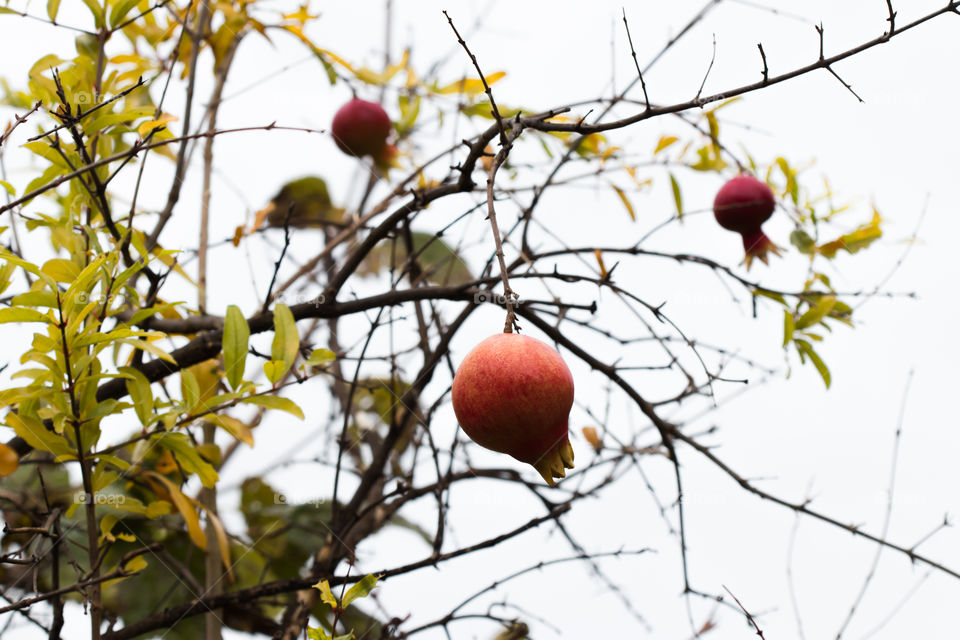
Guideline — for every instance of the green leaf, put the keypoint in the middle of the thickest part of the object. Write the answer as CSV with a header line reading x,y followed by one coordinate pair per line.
x,y
189,388
6,276
9,187
276,402
803,242
151,348
23,314
97,11
28,267
139,389
805,348
677,198
773,295
274,370
409,110
286,340
236,337
817,312
792,189
360,590
38,437
188,457
788,326
35,298
120,11
326,596
53,6
320,357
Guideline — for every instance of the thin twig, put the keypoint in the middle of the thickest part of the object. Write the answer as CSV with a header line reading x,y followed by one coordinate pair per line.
x,y
633,52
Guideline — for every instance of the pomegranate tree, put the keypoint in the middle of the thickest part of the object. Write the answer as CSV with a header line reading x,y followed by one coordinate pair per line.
x,y
361,128
742,205
513,394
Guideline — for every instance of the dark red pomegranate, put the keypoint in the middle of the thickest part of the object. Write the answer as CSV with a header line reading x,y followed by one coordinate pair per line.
x,y
513,394
742,205
360,128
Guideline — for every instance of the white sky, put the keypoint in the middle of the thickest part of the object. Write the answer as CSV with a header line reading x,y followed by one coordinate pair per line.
x,y
897,151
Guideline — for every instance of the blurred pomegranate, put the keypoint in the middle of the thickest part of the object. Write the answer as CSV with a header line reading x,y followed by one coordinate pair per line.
x,y
360,128
742,205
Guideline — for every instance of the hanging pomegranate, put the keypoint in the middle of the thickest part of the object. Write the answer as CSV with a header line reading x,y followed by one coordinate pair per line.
x,y
742,205
513,394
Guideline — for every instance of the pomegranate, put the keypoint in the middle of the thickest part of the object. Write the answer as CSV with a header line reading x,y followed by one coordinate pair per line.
x,y
360,128
513,394
742,205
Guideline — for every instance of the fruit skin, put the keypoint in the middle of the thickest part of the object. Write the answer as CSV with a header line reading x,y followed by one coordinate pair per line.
x,y
742,205
513,394
360,128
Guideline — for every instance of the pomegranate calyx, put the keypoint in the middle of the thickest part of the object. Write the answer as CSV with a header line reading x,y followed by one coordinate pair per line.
x,y
756,244
554,463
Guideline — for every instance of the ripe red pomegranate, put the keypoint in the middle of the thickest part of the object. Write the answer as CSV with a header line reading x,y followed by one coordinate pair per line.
x,y
513,394
742,205
360,128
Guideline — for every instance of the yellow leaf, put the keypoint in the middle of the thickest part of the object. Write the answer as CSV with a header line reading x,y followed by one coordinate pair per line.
x,y
599,256
135,564
106,526
145,128
274,370
370,76
207,378
152,349
677,197
816,312
185,507
9,461
222,543
590,145
470,86
234,427
590,433
632,172
170,262
302,14
625,201
609,151
61,270
326,596
861,238
165,463
157,509
324,52
664,142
